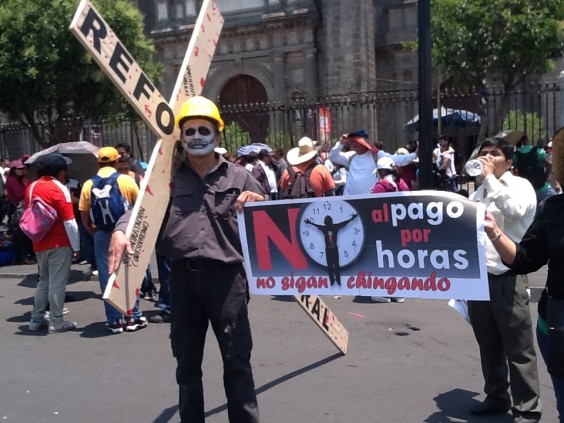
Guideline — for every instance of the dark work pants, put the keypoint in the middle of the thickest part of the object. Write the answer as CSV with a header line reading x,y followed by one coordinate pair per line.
x,y
203,291
504,332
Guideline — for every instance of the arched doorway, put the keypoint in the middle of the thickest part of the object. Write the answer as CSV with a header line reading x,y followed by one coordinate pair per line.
x,y
241,100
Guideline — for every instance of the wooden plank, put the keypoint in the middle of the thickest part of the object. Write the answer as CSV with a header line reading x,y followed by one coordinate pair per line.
x,y
324,318
149,210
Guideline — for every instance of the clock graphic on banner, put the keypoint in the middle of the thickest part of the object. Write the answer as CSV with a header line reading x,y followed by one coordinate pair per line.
x,y
331,233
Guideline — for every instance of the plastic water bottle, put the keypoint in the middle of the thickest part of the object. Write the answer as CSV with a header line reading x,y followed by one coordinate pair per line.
x,y
474,167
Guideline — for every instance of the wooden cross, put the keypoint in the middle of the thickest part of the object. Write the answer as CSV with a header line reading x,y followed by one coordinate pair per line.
x,y
97,37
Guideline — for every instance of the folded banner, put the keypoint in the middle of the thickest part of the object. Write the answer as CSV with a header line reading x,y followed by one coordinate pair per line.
x,y
425,244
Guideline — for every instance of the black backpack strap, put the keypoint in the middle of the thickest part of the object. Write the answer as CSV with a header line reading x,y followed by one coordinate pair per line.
x,y
291,181
310,168
291,172
308,188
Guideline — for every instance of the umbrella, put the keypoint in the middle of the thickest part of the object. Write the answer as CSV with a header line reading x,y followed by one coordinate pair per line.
x,y
511,136
253,148
449,118
82,153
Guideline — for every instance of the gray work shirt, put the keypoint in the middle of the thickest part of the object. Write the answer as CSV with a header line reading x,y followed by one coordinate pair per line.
x,y
202,220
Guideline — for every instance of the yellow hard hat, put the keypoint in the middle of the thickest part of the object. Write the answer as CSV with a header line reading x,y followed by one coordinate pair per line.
x,y
199,107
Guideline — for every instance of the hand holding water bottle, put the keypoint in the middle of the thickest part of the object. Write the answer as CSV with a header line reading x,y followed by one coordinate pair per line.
x,y
474,167
480,167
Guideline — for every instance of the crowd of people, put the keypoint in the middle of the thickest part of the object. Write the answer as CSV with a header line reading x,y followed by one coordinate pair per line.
x,y
199,257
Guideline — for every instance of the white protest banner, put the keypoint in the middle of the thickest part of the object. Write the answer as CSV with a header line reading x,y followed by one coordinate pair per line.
x,y
425,244
98,38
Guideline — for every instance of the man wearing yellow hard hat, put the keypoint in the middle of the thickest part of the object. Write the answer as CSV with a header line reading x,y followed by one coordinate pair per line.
x,y
207,280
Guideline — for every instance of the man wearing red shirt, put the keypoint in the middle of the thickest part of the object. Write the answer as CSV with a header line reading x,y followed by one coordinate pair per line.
x,y
302,157
58,247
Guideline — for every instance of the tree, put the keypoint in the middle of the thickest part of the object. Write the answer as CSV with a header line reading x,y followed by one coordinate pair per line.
x,y
529,123
234,136
48,80
503,41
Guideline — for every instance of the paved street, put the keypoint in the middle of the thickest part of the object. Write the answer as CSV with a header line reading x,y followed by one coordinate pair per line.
x,y
412,362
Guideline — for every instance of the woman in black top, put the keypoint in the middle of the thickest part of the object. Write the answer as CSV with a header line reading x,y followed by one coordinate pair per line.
x,y
542,244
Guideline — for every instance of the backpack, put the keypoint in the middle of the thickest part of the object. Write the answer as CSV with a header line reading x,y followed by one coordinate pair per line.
x,y
38,218
107,204
299,185
529,167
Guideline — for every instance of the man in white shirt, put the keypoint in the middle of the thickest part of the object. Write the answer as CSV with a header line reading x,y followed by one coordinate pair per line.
x,y
447,164
5,168
360,161
502,325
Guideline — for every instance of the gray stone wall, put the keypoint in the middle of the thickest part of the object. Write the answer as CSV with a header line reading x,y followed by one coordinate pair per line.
x,y
347,44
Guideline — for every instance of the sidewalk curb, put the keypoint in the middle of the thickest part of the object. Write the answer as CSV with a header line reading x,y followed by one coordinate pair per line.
x,y
79,273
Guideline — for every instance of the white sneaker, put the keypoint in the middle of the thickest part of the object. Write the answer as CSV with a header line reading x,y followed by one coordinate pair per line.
x,y
65,327
94,273
65,311
398,300
381,299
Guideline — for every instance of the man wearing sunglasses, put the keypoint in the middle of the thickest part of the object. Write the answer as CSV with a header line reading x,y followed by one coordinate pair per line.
x,y
207,280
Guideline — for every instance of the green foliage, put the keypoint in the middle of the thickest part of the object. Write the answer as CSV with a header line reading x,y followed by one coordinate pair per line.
x,y
529,123
279,139
503,39
234,137
45,73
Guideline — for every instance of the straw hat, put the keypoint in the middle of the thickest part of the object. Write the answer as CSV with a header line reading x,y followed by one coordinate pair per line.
x,y
305,151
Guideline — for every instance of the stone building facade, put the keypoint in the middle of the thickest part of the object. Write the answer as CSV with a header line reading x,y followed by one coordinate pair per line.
x,y
274,50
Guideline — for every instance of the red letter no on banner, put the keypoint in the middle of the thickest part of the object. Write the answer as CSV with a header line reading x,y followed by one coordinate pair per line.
x,y
265,229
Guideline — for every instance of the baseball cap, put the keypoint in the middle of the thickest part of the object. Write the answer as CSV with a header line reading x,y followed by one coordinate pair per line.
x,y
361,137
17,164
107,155
385,163
265,152
360,133
402,151
52,164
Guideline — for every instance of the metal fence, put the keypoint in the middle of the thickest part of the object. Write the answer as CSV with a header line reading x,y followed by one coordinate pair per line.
x,y
383,114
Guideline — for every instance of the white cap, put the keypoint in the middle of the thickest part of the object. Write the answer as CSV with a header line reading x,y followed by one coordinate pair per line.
x,y
385,163
402,151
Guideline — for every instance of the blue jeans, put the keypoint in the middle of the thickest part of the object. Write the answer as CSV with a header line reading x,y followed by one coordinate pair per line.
x,y
452,186
557,381
148,285
86,244
101,246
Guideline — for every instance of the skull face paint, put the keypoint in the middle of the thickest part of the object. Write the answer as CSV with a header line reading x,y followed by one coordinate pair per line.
x,y
199,137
